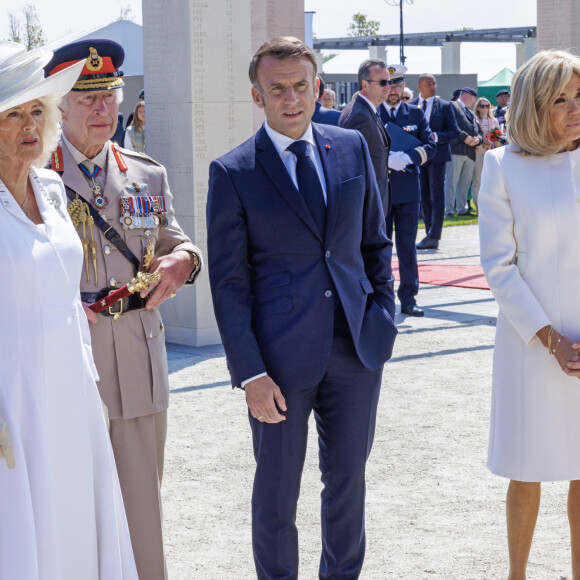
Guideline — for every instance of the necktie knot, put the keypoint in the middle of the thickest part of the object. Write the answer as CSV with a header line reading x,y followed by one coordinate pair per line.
x,y
299,148
89,168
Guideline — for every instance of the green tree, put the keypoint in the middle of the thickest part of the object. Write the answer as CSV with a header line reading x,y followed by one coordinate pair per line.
x,y
360,26
126,14
27,31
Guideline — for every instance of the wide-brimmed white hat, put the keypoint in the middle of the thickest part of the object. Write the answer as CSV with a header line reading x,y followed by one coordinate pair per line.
x,y
22,75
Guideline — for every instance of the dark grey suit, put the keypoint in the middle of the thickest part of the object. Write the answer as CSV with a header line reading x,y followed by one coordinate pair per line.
x,y
460,170
359,115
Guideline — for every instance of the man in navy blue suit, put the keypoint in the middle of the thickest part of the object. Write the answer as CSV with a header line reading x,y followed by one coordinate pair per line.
x,y
362,114
441,118
322,114
405,191
302,289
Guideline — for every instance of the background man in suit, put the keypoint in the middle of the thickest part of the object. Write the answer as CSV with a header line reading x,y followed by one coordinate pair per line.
x,y
404,180
322,114
128,341
441,118
362,114
302,289
460,170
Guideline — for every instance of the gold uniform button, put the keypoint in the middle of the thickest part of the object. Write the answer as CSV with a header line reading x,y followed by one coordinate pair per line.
x,y
147,232
116,316
107,250
112,282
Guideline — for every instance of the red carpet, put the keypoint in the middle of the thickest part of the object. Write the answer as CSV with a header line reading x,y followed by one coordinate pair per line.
x,y
449,275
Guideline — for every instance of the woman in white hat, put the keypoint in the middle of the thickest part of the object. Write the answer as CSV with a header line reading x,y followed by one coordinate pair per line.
x,y
61,511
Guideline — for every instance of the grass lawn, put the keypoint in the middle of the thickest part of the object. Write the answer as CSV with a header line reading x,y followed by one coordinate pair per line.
x,y
458,220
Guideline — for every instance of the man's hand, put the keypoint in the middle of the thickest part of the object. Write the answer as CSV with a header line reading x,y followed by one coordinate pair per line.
x,y
472,141
264,398
6,451
91,316
176,269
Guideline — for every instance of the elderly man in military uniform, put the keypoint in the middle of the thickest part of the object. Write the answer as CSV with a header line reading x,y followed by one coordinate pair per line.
x,y
121,205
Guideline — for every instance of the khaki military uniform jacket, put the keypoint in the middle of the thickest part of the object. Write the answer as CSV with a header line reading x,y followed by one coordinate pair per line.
x,y
129,352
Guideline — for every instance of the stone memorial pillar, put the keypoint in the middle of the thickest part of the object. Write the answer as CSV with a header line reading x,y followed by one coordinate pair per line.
x,y
451,58
559,24
196,55
271,18
525,51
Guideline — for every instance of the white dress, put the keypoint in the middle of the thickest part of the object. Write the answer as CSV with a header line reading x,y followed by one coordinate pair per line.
x,y
61,511
530,251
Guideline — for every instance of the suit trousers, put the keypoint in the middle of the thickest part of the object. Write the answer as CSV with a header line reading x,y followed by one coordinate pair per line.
x,y
345,407
405,218
432,179
139,448
458,181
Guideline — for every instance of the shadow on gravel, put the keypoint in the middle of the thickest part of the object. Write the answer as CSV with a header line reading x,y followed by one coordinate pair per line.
x,y
441,353
200,387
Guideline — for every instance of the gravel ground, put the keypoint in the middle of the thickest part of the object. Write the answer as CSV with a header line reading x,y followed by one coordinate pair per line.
x,y
433,509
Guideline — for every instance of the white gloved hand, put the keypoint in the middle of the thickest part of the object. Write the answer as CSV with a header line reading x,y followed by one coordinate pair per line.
x,y
398,160
6,444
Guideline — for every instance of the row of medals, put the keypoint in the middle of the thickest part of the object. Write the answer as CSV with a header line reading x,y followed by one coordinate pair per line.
x,y
129,221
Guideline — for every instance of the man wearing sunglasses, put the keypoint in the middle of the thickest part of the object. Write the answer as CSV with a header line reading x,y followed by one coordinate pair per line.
x,y
361,114
405,162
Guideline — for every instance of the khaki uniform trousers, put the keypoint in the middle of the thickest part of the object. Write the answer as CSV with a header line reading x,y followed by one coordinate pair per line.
x,y
139,447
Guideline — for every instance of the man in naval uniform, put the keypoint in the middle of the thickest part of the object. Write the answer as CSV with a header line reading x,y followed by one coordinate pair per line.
x,y
131,216
405,160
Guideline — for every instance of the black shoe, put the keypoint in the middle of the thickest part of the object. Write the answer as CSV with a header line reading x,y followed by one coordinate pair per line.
x,y
412,310
449,214
428,244
468,212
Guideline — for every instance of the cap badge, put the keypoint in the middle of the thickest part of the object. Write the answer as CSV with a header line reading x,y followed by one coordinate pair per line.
x,y
392,70
94,62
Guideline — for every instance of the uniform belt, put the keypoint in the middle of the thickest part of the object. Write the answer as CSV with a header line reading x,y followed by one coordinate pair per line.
x,y
132,302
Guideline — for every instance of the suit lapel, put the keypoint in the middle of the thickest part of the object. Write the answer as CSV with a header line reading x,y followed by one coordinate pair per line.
x,y
269,160
377,120
330,161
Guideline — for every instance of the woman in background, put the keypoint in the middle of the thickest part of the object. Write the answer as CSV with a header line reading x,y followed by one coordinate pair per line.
x,y
135,133
487,123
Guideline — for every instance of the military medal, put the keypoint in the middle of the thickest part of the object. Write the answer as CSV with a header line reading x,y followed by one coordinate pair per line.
x,y
136,188
99,201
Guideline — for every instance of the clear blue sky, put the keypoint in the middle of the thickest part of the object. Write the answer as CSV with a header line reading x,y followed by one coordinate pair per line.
x,y
60,17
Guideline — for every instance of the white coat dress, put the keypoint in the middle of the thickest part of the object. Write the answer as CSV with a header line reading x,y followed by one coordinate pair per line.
x,y
61,510
529,228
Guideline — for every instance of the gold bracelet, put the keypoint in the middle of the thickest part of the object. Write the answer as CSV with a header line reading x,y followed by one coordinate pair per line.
x,y
550,332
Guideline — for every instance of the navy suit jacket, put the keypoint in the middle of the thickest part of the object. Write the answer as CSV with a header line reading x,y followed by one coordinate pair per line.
x,y
359,115
443,123
325,116
274,280
405,184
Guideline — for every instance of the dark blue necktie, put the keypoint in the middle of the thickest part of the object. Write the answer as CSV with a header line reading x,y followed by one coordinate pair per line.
x,y
309,184
392,114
